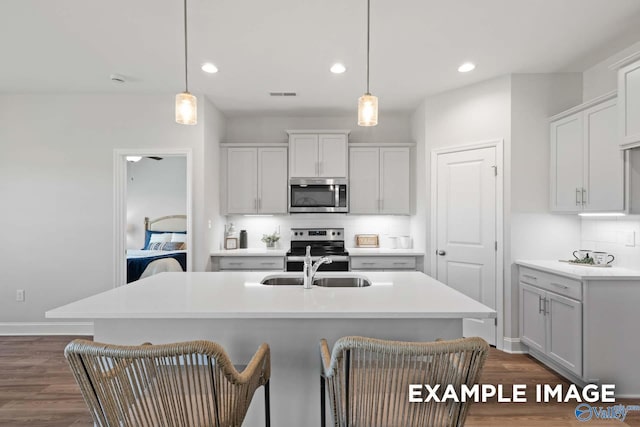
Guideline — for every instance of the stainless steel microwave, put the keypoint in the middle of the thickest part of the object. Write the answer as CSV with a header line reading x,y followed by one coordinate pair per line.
x,y
307,195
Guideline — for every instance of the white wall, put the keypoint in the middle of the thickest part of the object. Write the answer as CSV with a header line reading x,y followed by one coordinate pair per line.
x,y
599,79
392,127
56,187
214,131
533,232
155,188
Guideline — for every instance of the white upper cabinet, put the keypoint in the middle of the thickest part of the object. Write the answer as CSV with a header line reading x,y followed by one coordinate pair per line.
x,y
567,164
604,172
379,180
318,155
629,102
587,166
364,180
255,180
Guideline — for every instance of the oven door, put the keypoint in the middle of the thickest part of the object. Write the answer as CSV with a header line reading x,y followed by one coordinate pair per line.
x,y
318,196
339,263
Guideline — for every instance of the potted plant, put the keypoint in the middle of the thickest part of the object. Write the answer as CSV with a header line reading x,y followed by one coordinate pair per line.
x,y
271,239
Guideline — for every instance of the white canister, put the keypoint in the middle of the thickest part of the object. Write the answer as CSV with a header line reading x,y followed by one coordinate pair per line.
x,y
404,242
393,242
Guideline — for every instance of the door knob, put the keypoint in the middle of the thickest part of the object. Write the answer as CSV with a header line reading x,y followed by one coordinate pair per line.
x,y
441,253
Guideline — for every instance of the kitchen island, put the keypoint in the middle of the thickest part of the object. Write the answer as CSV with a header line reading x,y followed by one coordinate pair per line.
x,y
235,310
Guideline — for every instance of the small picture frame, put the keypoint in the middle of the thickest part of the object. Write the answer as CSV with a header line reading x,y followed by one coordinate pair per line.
x,y
367,241
231,243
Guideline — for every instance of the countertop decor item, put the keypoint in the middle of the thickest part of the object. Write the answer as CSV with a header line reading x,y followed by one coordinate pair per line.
x,y
231,243
271,239
367,241
243,239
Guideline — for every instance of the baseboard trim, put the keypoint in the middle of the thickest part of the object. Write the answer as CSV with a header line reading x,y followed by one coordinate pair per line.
x,y
514,346
46,328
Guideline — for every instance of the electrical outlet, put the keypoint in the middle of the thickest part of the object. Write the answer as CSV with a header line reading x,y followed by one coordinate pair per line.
x,y
20,295
630,239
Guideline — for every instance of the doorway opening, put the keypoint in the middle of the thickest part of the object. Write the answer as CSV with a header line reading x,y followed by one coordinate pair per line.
x,y
152,184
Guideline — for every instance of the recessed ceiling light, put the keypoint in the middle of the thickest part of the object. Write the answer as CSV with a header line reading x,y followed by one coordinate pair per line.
x,y
208,67
466,67
338,68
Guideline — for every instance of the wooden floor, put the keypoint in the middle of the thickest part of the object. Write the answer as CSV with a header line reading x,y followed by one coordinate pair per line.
x,y
37,389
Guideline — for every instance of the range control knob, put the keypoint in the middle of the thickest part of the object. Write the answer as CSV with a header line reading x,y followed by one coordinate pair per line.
x,y
338,233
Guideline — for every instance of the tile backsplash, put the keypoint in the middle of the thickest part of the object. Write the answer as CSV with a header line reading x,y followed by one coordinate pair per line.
x,y
614,235
383,225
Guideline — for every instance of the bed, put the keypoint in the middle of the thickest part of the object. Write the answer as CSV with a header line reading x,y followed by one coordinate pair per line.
x,y
164,248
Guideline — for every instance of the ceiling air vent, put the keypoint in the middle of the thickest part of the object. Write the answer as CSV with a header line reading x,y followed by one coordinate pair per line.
x,y
283,94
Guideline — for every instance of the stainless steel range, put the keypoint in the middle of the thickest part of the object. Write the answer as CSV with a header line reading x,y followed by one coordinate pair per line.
x,y
324,242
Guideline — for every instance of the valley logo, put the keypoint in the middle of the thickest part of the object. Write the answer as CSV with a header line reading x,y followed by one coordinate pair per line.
x,y
586,412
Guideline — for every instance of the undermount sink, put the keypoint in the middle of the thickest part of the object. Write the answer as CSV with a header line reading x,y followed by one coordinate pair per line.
x,y
342,282
282,280
327,282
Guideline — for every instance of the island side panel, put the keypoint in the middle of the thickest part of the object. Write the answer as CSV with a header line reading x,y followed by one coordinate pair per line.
x,y
295,360
611,316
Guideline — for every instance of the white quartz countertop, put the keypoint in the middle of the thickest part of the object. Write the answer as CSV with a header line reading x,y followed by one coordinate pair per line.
x,y
384,252
250,252
239,295
578,272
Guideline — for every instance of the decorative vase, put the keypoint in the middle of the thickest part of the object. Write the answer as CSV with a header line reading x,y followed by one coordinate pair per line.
x,y
271,245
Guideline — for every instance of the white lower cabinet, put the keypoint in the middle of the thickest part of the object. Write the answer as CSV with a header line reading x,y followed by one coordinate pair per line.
x,y
551,317
550,323
248,263
383,263
580,322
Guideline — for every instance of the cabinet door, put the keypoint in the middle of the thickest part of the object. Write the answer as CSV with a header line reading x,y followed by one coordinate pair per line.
x,y
364,180
272,180
394,180
303,156
332,156
604,161
567,161
629,107
242,180
564,332
532,319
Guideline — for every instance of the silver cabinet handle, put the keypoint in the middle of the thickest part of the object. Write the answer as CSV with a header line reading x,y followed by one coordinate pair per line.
x,y
235,263
546,306
578,202
441,253
530,277
255,203
267,263
540,310
584,196
559,285
399,263
368,263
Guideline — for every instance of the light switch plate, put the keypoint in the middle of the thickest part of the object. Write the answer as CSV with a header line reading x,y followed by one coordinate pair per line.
x,y
630,239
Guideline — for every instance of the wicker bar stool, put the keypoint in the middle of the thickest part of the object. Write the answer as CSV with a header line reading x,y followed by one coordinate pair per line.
x,y
183,384
368,380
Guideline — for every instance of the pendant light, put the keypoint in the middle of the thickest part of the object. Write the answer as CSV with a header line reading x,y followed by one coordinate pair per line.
x,y
367,103
186,104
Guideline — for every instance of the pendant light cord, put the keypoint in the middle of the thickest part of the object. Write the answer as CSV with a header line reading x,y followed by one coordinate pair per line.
x,y
368,37
186,70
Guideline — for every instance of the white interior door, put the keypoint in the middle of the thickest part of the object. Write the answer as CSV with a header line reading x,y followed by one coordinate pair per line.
x,y
466,230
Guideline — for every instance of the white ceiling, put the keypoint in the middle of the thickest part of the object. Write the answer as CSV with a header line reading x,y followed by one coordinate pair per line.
x,y
289,45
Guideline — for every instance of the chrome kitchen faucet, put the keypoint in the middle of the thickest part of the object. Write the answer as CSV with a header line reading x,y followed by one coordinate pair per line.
x,y
309,270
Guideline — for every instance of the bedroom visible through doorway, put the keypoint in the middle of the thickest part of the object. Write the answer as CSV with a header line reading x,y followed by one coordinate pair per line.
x,y
152,213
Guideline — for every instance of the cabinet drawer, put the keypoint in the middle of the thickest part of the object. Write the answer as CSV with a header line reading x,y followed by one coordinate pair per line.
x,y
251,263
385,262
552,282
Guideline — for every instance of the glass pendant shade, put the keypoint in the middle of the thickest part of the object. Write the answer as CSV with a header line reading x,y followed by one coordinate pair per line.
x,y
367,110
186,109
